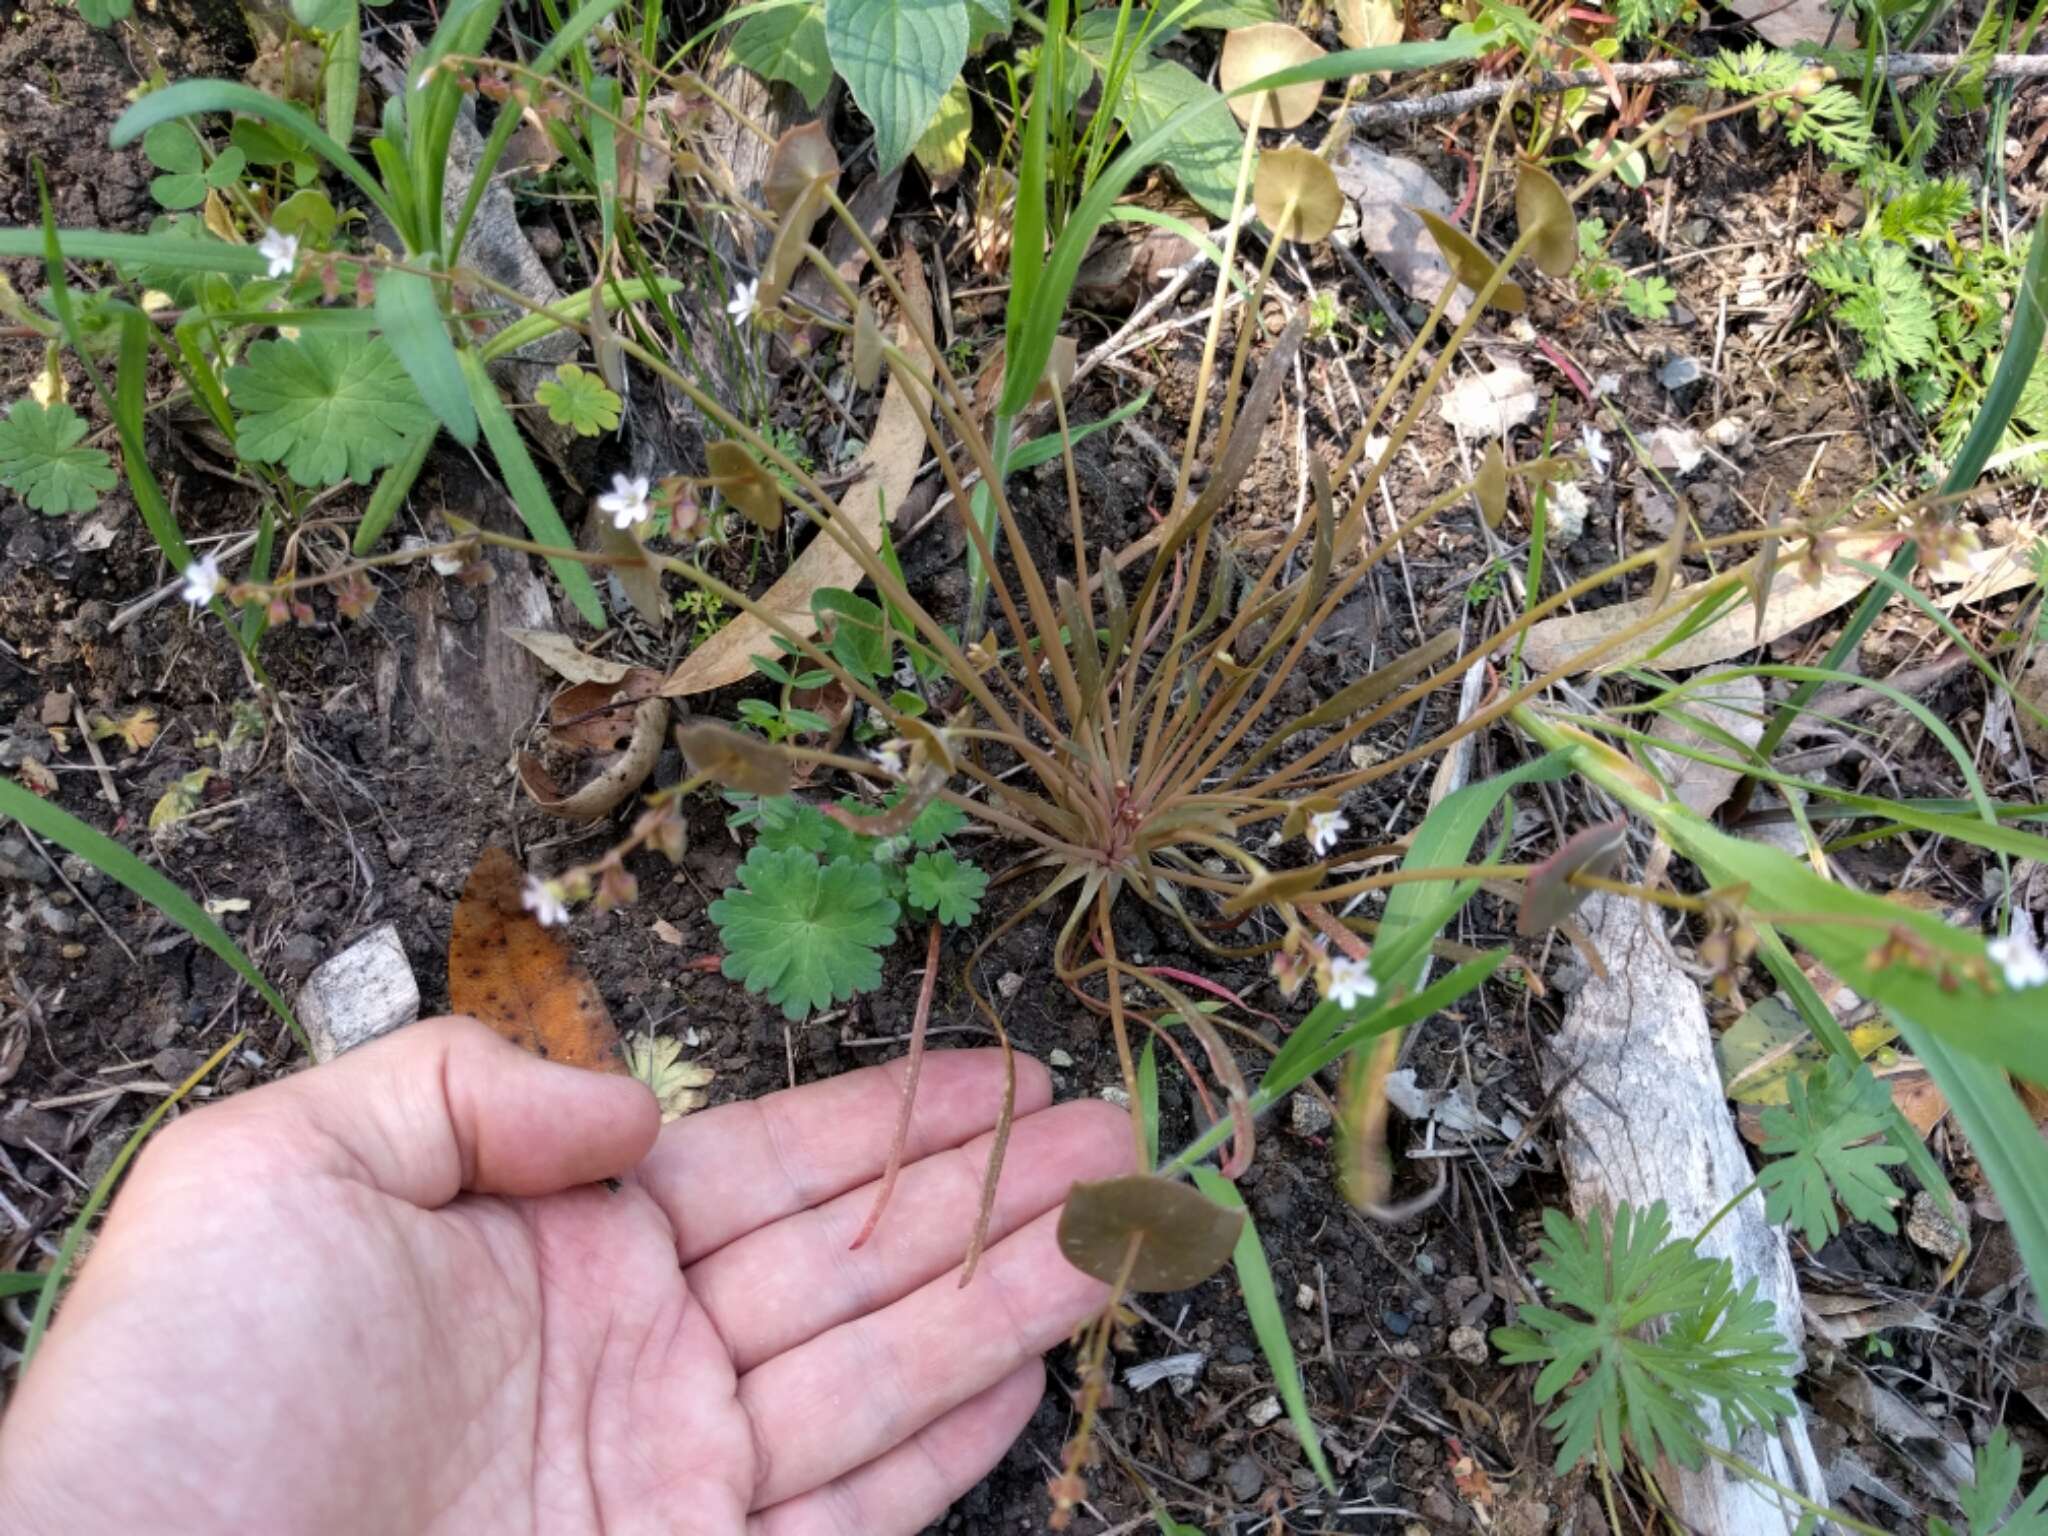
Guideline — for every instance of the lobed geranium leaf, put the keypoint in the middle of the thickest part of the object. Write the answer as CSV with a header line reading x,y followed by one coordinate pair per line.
x,y
940,884
1827,1143
805,933
329,406
41,460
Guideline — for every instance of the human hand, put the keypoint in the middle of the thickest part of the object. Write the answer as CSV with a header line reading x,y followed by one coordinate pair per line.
x,y
387,1296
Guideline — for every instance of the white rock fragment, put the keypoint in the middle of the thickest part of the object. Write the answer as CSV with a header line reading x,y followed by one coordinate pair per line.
x,y
1305,1298
1115,1095
1263,1412
1179,1370
1308,1115
1468,1344
1929,1228
1728,431
1567,511
1009,984
1490,404
362,993
1677,449
1058,1058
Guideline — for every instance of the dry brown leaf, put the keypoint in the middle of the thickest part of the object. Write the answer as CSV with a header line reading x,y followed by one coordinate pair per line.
x,y
1788,23
1792,603
618,779
136,730
887,469
507,970
561,655
599,717
1384,187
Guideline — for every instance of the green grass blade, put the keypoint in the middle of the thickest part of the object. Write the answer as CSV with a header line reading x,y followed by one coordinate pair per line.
x,y
528,329
169,252
191,98
410,317
102,1191
341,77
529,492
1041,449
392,487
153,886
1269,1323
19,1282
1148,1100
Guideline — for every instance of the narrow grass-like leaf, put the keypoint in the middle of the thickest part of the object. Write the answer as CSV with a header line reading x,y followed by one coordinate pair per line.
x,y
529,492
1148,1100
411,319
1269,1323
172,253
19,1282
103,1190
390,492
153,886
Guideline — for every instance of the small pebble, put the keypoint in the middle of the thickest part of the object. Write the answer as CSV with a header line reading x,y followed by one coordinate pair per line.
x,y
56,919
1929,1228
1115,1095
1305,1298
1308,1115
1245,1478
1010,984
1397,1323
1058,1058
1263,1412
300,955
1469,1345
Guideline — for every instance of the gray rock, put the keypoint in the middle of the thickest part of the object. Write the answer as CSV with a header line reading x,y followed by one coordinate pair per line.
x,y
1245,1478
18,861
364,992
56,919
300,955
1308,1115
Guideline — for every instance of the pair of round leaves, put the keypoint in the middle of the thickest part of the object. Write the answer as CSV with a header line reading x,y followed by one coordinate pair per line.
x,y
1182,1237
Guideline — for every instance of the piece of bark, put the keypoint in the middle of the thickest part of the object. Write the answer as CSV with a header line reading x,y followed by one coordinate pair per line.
x,y
359,995
1644,1120
474,687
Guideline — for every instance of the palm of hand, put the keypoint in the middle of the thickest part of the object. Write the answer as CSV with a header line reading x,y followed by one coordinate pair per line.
x,y
696,1350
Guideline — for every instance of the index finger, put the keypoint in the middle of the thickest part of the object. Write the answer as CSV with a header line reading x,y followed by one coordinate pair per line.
x,y
725,1172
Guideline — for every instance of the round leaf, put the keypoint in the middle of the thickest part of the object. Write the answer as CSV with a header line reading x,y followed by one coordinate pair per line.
x,y
802,157
1297,194
1541,206
1183,1237
1474,268
745,484
1490,485
1250,53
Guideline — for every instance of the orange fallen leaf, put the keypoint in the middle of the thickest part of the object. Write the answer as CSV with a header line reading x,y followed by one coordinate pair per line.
x,y
509,971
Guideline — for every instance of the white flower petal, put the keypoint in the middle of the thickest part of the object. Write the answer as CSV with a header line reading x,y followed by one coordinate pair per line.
x,y
202,582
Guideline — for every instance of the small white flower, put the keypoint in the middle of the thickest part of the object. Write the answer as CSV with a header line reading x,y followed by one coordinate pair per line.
x,y
889,758
1323,830
1598,459
202,582
745,302
1350,983
543,898
626,501
281,251
2016,955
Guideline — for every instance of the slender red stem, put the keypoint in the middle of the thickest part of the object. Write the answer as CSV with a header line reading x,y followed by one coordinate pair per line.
x,y
915,1064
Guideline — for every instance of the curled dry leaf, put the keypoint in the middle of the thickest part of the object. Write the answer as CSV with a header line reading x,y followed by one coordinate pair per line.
x,y
1548,896
619,777
1183,1237
507,970
1541,206
745,484
1297,194
733,758
1368,23
1474,268
590,718
1251,53
1490,404
562,656
886,469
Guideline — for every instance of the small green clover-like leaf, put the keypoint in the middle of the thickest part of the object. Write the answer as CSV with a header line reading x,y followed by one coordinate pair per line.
x,y
329,406
41,461
1821,1148
1985,1497
1648,298
578,400
805,933
1717,1345
942,885
939,820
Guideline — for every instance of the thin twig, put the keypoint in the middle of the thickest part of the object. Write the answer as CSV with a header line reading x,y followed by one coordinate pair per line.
x,y
1896,66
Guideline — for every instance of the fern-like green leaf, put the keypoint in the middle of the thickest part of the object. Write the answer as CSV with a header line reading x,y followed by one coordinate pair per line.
x,y
1619,1388
805,933
1827,1143
1985,1499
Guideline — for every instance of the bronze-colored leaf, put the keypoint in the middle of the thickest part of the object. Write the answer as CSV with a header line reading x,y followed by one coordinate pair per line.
x,y
1541,206
1275,887
1252,53
743,482
867,346
1490,486
1182,1236
507,970
802,158
598,717
733,758
1297,194
1474,268
1548,896
617,779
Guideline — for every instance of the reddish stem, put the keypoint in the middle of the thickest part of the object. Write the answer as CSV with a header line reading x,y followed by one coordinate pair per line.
x,y
915,1064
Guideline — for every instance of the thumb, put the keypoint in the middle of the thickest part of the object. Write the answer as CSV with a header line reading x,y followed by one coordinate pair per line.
x,y
442,1107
